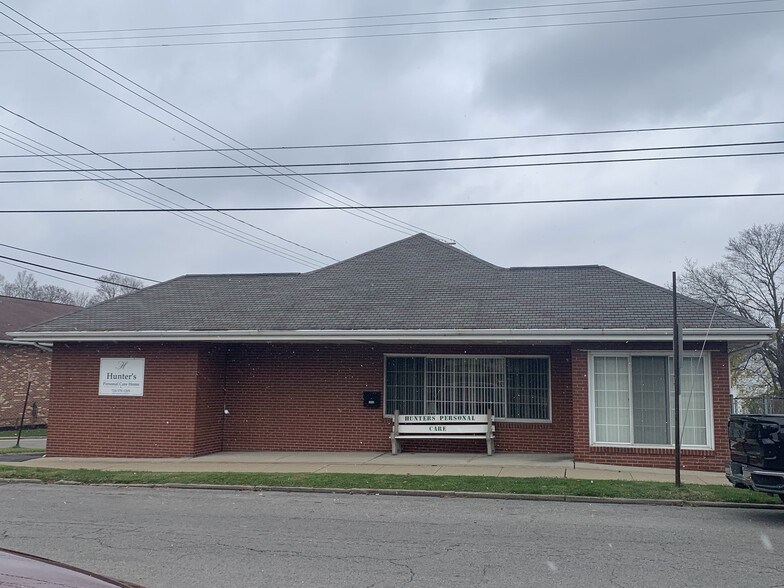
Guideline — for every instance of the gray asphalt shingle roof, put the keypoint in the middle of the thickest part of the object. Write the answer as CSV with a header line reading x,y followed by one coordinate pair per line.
x,y
416,283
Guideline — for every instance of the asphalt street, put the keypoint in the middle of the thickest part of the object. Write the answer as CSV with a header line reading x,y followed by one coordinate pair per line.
x,y
31,443
168,537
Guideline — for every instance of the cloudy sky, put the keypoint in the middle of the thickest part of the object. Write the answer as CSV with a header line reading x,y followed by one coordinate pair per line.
x,y
538,72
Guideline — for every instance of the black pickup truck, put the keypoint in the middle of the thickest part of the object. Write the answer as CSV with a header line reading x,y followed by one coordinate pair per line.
x,y
757,453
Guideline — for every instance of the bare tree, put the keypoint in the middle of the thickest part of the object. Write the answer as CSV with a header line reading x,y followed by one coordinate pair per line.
x,y
749,281
119,285
80,297
52,293
24,286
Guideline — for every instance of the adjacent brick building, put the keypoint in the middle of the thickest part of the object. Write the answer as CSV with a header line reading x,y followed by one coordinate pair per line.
x,y
569,360
22,361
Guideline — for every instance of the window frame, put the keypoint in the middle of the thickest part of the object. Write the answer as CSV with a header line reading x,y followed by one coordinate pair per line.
x,y
707,374
480,356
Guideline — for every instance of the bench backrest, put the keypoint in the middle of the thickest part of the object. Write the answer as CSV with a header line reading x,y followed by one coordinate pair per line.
x,y
433,424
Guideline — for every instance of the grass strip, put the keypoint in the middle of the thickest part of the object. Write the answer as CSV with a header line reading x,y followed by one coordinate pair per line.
x,y
20,450
539,486
39,432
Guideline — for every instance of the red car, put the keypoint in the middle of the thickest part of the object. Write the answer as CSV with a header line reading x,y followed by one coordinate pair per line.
x,y
21,570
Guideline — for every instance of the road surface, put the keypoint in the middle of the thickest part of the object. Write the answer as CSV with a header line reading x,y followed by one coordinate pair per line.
x,y
168,537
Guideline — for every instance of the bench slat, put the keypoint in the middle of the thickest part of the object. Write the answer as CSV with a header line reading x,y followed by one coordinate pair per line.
x,y
481,437
410,419
435,428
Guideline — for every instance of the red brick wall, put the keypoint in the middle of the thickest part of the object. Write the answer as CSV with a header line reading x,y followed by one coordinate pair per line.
x,y
309,397
162,423
650,457
16,363
209,400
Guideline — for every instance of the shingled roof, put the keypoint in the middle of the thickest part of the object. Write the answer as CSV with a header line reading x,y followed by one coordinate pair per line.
x,y
417,283
19,313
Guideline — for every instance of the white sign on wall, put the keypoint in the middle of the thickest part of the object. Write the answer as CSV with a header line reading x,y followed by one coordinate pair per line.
x,y
121,377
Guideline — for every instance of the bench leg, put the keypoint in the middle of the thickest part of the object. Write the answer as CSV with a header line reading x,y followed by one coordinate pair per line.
x,y
490,446
395,446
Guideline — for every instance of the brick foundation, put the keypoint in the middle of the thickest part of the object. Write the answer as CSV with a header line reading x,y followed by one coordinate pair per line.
x,y
17,362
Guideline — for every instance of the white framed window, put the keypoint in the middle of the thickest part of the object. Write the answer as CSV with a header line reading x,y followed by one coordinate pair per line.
x,y
511,387
632,400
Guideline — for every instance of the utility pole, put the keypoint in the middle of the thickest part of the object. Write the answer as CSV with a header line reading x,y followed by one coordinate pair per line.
x,y
24,410
677,350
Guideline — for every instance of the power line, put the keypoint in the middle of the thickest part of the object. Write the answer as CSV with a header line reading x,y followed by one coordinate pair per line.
x,y
39,272
417,33
419,23
412,161
408,206
340,18
405,170
54,269
134,108
388,221
78,263
419,142
142,194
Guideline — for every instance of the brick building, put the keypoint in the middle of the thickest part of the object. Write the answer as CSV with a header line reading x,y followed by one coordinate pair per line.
x,y
569,359
20,360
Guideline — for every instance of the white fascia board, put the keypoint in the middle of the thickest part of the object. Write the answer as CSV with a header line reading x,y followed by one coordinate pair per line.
x,y
749,335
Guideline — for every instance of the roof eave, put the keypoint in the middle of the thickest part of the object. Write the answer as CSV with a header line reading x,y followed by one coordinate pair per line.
x,y
745,335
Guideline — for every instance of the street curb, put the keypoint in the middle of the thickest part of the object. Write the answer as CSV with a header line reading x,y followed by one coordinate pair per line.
x,y
421,493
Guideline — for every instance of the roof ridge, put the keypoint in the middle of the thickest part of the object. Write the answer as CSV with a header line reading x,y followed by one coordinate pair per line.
x,y
707,305
246,274
578,265
398,242
41,301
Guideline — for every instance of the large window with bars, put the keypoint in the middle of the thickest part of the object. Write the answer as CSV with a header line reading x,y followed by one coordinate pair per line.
x,y
632,398
511,387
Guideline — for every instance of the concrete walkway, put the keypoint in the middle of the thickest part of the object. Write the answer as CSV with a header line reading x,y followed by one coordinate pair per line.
x,y
511,465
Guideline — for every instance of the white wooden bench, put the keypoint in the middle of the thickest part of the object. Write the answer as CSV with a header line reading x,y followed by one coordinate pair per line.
x,y
443,426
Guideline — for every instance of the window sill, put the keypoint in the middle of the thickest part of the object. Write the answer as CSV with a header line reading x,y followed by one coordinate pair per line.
x,y
663,448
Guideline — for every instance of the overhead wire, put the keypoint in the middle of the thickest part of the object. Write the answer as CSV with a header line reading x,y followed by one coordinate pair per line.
x,y
349,17
419,23
61,271
78,263
425,141
387,221
414,161
140,193
145,114
38,271
586,200
128,189
405,170
421,33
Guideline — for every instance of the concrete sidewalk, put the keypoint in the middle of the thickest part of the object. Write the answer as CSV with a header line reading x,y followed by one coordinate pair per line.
x,y
510,465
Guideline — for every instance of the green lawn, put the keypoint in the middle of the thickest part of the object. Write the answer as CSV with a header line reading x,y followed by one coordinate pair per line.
x,y
41,432
20,450
538,486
